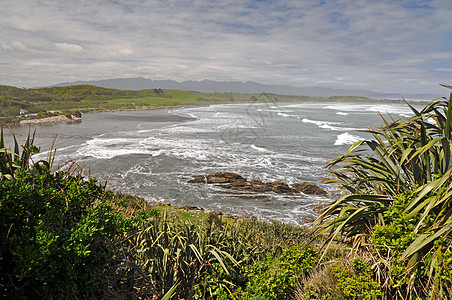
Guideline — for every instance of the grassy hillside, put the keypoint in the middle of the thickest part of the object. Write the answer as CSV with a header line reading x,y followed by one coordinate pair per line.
x,y
86,97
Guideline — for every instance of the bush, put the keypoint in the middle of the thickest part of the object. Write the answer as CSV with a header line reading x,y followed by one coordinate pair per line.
x,y
394,238
276,278
57,237
357,284
347,279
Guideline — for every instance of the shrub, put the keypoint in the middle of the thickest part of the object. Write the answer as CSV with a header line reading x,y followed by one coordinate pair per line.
x,y
357,284
276,278
57,237
408,158
433,260
347,279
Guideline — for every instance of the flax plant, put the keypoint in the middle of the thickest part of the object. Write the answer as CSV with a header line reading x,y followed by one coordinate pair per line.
x,y
402,155
12,162
407,155
176,254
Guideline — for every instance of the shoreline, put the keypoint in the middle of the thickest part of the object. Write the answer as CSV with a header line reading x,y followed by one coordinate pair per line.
x,y
60,120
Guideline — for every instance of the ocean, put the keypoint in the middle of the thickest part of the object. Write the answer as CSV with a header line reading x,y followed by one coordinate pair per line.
x,y
153,153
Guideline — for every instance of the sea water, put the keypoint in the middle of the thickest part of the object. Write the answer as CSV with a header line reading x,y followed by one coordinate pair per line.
x,y
153,153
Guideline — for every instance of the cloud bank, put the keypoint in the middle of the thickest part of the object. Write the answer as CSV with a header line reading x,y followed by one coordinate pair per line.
x,y
386,46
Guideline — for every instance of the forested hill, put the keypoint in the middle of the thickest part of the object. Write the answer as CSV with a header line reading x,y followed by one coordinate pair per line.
x,y
74,93
13,99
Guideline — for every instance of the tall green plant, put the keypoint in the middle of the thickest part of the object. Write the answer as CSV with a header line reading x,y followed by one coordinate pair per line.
x,y
410,155
402,155
12,161
180,254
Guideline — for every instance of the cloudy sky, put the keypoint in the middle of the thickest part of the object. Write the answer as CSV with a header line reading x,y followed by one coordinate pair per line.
x,y
382,45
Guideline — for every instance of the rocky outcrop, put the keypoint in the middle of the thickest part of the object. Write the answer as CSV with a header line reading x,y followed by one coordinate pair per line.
x,y
52,120
236,182
309,189
219,177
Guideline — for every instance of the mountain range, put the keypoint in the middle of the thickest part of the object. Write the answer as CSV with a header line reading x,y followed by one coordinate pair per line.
x,y
251,87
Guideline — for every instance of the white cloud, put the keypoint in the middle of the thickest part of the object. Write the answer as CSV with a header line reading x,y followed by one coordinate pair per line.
x,y
73,48
115,52
14,45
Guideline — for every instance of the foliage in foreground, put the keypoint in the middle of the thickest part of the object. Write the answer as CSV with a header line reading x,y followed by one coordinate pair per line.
x,y
57,237
343,279
275,278
399,200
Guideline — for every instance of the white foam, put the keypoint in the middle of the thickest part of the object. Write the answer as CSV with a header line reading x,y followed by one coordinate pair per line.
x,y
391,109
274,110
104,148
318,123
371,108
236,125
346,139
342,113
287,115
328,125
261,149
324,124
347,107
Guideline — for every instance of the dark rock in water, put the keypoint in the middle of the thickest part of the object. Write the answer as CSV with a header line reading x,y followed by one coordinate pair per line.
x,y
219,177
319,209
251,197
224,177
256,182
309,189
233,181
280,187
238,185
258,188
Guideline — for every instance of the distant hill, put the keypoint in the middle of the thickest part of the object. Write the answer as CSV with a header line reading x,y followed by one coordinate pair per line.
x,y
250,87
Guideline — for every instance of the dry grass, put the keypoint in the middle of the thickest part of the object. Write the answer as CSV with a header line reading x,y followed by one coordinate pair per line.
x,y
321,283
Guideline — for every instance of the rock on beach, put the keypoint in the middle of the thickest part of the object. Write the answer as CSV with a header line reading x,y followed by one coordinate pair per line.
x,y
52,120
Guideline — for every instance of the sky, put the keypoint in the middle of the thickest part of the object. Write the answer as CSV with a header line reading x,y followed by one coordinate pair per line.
x,y
400,46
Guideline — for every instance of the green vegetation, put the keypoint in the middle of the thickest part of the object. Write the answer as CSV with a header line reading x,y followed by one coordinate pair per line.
x,y
275,278
343,279
41,102
357,282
